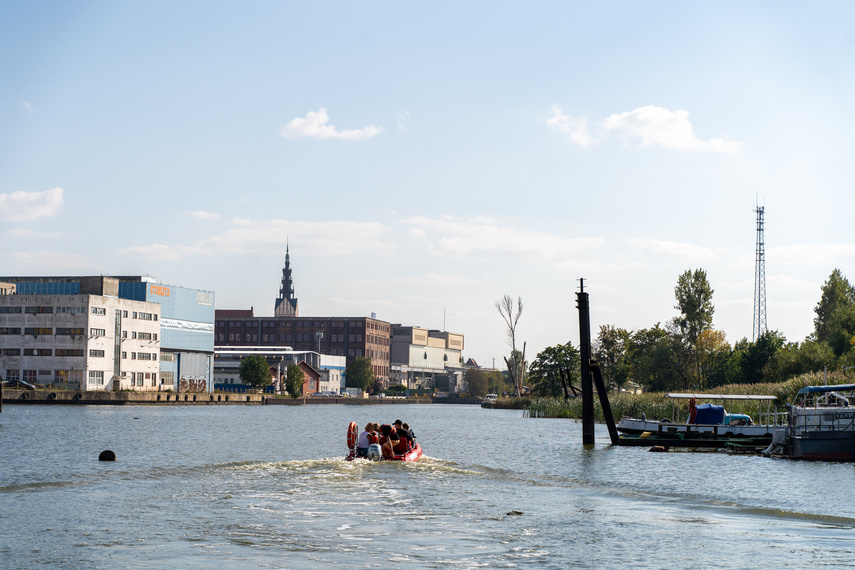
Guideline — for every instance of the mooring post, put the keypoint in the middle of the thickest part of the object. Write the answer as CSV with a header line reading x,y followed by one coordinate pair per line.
x,y
585,353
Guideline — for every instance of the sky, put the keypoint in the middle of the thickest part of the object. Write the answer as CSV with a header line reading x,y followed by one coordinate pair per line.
x,y
422,160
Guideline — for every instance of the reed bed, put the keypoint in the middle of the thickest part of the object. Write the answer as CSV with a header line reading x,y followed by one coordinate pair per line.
x,y
656,406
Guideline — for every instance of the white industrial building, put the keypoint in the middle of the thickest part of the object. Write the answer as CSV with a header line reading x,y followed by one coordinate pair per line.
x,y
83,341
426,359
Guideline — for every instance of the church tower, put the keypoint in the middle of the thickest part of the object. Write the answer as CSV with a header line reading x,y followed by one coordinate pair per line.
x,y
286,303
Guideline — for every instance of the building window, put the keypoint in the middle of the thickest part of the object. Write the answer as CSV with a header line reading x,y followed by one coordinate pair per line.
x,y
12,352
30,376
99,311
35,331
8,310
96,377
124,354
44,352
69,331
97,332
9,330
96,353
13,374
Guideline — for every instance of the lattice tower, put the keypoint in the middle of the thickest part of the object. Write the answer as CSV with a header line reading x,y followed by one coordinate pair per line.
x,y
759,326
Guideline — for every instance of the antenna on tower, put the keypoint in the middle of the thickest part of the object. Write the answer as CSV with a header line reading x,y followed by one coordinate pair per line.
x,y
759,326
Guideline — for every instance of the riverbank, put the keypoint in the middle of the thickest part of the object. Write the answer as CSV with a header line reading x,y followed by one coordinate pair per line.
x,y
73,397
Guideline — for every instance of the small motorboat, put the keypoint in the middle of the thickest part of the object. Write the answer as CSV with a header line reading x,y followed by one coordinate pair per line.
x,y
374,452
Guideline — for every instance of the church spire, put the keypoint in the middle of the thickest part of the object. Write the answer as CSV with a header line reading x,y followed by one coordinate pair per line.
x,y
286,303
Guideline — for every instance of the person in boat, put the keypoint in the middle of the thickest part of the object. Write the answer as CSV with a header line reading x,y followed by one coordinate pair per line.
x,y
412,435
388,440
404,432
364,440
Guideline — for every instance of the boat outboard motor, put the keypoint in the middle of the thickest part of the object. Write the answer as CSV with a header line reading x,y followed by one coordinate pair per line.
x,y
374,453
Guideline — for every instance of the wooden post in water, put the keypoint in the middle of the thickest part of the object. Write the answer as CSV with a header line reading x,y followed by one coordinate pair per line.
x,y
585,353
591,375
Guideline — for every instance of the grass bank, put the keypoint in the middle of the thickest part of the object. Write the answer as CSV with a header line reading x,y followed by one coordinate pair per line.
x,y
655,405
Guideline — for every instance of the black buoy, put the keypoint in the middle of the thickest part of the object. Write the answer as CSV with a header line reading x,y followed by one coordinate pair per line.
x,y
107,455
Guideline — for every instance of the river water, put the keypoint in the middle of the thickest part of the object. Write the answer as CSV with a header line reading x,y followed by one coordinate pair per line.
x,y
267,487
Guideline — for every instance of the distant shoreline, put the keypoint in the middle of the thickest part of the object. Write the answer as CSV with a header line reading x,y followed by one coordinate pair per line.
x,y
102,398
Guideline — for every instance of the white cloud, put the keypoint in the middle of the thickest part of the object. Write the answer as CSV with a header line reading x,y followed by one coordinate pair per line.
x,y
575,129
403,121
486,235
315,126
51,263
247,237
828,255
29,206
203,215
651,125
657,126
673,249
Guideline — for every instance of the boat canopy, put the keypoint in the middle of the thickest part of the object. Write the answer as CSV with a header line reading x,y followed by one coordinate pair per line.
x,y
721,396
709,414
821,389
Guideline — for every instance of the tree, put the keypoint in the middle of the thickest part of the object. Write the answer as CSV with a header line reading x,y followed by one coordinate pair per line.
x,y
255,371
711,350
837,295
610,351
545,372
794,359
359,373
496,383
694,300
748,360
396,390
651,359
511,316
477,382
294,381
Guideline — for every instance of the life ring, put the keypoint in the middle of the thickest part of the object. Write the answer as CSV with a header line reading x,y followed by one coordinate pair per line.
x,y
352,435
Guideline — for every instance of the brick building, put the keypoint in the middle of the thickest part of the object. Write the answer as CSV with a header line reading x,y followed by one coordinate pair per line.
x,y
338,336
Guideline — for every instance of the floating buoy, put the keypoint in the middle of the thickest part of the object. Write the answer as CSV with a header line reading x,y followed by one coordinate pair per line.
x,y
107,455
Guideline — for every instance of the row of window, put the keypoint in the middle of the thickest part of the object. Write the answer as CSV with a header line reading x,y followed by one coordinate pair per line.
x,y
94,377
93,353
251,337
69,331
298,324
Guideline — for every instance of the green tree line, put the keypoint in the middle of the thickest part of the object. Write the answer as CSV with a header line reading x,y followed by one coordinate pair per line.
x,y
688,353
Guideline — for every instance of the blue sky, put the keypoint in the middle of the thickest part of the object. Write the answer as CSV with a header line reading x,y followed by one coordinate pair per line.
x,y
424,159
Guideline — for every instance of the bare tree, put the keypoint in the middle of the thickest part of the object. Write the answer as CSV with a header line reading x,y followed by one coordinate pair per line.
x,y
511,316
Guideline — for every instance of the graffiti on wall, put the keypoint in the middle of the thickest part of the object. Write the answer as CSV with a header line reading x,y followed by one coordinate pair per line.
x,y
193,384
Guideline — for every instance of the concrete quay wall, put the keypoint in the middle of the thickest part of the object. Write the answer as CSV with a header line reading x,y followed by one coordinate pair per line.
x,y
125,398
70,397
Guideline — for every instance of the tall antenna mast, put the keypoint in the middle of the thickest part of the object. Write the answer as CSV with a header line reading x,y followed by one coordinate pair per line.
x,y
759,326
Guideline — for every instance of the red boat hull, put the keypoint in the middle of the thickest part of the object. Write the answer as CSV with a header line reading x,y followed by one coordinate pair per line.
x,y
412,455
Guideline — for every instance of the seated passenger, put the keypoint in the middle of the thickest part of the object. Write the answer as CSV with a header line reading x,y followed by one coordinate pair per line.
x,y
388,446
401,446
404,431
373,435
364,441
